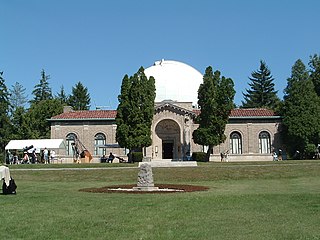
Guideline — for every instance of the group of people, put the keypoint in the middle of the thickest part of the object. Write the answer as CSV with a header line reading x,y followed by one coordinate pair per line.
x,y
109,159
46,156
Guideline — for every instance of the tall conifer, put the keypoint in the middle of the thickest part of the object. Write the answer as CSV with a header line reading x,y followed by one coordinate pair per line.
x,y
62,96
215,99
80,98
135,111
42,91
18,96
301,111
261,93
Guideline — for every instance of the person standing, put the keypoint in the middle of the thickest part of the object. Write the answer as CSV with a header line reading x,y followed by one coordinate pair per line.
x,y
46,156
275,156
110,158
33,156
226,155
280,155
52,155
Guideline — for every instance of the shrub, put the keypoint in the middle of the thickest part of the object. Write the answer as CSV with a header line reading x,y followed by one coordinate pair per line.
x,y
137,156
199,156
310,151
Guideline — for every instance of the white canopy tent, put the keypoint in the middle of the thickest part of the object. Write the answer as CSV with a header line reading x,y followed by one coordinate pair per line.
x,y
36,143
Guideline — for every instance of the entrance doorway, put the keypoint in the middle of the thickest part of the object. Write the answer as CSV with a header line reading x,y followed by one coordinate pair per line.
x,y
169,134
167,149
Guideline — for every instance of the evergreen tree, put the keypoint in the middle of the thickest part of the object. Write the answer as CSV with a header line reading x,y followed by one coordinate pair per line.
x,y
123,110
301,111
42,90
18,96
62,96
261,93
135,111
314,64
80,98
5,126
37,117
215,99
21,127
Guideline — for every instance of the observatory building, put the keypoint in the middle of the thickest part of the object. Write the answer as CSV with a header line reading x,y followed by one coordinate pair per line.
x,y
252,134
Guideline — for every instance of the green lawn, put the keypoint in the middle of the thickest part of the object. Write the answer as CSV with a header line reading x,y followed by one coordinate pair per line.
x,y
274,200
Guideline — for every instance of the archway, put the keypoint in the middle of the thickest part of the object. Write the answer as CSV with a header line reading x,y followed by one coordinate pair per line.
x,y
170,134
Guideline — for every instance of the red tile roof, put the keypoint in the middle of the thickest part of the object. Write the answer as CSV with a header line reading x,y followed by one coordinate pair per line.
x,y
89,114
252,112
248,112
111,114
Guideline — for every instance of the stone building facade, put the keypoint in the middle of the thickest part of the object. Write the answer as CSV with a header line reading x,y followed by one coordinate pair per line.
x,y
252,134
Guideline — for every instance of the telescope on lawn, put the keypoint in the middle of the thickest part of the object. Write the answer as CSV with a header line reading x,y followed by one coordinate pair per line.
x,y
25,149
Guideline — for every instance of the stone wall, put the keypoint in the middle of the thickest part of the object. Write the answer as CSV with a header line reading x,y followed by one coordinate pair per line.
x,y
175,123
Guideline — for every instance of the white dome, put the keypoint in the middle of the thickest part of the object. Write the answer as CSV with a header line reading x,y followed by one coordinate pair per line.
x,y
175,81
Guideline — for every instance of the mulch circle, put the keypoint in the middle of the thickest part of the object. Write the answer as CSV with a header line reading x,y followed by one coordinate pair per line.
x,y
180,188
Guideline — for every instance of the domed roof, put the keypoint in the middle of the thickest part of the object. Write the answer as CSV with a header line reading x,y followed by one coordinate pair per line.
x,y
175,81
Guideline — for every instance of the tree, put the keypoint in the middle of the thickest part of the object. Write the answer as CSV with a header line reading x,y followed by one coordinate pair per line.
x,y
42,90
301,111
123,110
62,96
135,111
37,117
80,98
215,99
314,65
17,97
5,125
21,127
261,93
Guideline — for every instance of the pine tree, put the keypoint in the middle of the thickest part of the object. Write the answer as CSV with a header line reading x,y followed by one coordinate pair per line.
x,y
42,90
80,98
18,96
261,93
62,96
135,111
301,111
215,99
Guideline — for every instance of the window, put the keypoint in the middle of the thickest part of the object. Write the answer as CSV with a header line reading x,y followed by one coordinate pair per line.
x,y
70,140
99,140
264,142
235,143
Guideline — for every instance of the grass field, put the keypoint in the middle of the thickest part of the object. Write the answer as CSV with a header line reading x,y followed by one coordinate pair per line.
x,y
273,200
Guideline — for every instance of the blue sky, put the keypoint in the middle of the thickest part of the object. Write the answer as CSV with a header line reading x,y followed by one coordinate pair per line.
x,y
97,42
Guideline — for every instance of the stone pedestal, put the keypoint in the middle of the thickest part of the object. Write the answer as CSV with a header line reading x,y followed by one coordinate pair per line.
x,y
145,179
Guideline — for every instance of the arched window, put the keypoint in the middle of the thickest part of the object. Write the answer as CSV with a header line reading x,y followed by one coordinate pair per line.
x,y
264,142
235,143
99,140
70,140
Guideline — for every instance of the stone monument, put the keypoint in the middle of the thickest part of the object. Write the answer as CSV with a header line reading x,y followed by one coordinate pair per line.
x,y
145,179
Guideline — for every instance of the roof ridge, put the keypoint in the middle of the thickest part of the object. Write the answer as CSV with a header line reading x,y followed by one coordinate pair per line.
x,y
111,114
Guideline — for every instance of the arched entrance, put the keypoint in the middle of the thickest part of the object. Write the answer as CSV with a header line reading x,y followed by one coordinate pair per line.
x,y
169,132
